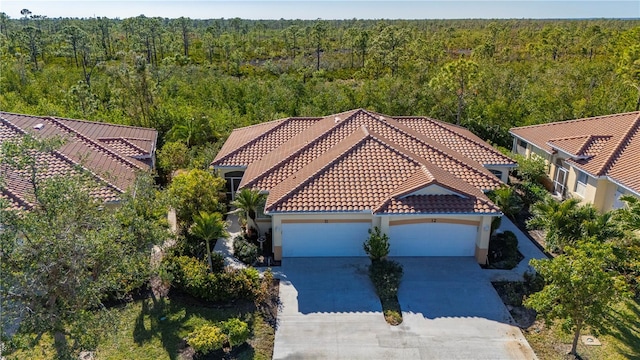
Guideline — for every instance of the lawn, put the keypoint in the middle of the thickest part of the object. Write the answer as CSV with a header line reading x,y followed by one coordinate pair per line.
x,y
620,341
154,330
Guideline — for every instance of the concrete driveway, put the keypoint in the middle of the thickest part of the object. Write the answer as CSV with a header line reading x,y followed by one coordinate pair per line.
x,y
450,311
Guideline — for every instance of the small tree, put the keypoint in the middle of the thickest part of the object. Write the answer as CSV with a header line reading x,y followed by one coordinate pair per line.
x,y
174,155
532,168
377,245
579,289
194,191
208,226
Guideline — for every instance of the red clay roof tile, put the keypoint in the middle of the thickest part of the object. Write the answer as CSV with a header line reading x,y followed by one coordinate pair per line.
x,y
113,154
356,161
604,145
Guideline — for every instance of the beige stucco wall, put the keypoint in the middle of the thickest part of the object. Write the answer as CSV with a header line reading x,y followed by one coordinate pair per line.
x,y
383,222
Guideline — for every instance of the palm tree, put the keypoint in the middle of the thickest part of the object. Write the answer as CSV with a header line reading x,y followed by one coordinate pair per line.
x,y
247,201
561,221
629,216
208,226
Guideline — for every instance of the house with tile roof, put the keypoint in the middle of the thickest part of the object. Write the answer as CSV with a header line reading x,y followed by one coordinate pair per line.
x,y
593,159
330,179
112,154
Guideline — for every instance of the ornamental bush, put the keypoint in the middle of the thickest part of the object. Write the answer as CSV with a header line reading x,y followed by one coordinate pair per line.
x,y
206,338
191,276
244,250
377,245
237,331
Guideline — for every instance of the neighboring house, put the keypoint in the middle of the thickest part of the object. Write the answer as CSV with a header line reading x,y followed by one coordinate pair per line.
x,y
330,179
594,159
112,154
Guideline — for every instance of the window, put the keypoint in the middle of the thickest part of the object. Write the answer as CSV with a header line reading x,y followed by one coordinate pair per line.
x,y
521,147
581,183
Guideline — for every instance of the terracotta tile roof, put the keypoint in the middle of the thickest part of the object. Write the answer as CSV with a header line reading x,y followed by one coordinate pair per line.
x,y
456,138
112,154
355,161
602,146
434,204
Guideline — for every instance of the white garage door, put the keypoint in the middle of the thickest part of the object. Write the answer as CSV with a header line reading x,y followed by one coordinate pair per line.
x,y
324,239
432,239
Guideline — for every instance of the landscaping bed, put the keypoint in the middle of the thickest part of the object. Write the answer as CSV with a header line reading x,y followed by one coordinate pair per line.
x,y
155,329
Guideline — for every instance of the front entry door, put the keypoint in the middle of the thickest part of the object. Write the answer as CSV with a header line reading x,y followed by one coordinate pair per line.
x,y
560,181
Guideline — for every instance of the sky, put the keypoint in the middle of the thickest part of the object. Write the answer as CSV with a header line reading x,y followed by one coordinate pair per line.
x,y
328,9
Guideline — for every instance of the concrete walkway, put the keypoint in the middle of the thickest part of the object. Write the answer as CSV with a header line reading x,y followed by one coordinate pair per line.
x,y
224,246
526,247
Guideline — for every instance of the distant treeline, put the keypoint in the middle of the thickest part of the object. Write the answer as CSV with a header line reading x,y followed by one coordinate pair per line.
x,y
196,80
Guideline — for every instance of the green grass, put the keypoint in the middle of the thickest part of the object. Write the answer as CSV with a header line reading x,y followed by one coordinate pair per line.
x,y
154,330
621,340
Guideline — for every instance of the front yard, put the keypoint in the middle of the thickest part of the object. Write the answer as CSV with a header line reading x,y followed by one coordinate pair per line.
x,y
620,341
154,330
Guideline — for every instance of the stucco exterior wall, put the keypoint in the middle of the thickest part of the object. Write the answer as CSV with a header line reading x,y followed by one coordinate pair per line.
x,y
599,192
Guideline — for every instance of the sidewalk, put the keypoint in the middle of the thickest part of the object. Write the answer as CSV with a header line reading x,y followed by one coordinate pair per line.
x,y
526,247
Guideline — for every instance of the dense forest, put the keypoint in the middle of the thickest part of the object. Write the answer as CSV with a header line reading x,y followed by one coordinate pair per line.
x,y
196,80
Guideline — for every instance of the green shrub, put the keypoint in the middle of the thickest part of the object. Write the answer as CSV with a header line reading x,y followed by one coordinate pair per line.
x,y
244,250
191,276
503,250
386,276
532,168
495,223
377,245
237,331
531,192
206,338
507,200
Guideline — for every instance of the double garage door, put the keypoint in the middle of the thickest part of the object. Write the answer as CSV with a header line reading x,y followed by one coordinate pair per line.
x,y
328,239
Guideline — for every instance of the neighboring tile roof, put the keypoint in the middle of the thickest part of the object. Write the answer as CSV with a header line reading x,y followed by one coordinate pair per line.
x,y
361,161
601,146
112,154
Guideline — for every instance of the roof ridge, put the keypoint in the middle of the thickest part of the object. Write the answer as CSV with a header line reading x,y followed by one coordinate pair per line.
x,y
439,123
296,151
126,140
329,157
95,143
16,198
84,168
575,120
616,152
572,137
434,170
451,154
78,120
13,126
426,167
281,123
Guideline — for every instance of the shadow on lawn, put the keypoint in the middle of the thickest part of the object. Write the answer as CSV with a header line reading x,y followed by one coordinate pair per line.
x,y
625,326
161,324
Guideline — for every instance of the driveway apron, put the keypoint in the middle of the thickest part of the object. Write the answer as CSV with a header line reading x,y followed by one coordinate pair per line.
x,y
330,311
